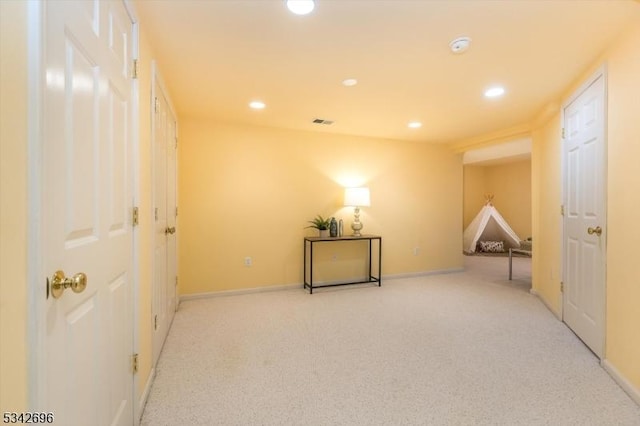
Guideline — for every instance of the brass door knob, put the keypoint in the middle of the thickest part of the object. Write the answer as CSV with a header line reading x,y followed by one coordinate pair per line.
x,y
171,230
597,230
59,283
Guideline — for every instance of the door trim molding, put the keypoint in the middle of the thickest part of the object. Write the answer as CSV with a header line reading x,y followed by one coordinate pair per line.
x,y
600,72
137,407
35,301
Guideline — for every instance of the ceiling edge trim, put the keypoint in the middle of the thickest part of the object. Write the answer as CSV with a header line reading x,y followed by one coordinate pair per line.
x,y
500,136
543,117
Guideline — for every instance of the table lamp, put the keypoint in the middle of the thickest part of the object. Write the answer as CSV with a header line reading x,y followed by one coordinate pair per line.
x,y
356,197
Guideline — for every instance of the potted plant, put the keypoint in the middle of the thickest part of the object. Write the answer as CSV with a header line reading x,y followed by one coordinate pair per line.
x,y
321,224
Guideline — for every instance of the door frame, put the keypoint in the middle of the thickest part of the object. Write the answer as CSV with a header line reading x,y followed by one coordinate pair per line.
x,y
600,72
36,303
138,406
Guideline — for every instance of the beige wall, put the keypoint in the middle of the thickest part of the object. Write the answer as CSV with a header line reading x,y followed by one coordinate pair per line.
x,y
511,186
623,275
145,250
547,222
474,189
623,183
249,191
13,206
510,183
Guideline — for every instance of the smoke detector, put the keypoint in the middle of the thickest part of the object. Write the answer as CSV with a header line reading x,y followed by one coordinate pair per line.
x,y
460,45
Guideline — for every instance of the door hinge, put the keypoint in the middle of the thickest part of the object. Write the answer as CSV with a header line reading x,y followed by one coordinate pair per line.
x,y
561,209
155,322
135,217
561,286
176,211
563,133
156,105
134,363
134,69
155,213
176,281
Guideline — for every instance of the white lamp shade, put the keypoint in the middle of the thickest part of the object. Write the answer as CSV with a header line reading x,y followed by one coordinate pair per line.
x,y
357,197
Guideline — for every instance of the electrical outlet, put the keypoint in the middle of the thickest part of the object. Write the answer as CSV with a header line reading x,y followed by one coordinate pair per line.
x,y
334,257
248,261
416,251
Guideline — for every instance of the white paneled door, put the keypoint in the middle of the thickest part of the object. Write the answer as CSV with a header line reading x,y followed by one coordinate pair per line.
x,y
86,218
584,214
165,212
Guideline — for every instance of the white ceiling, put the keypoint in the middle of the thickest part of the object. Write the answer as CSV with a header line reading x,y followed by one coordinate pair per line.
x,y
218,55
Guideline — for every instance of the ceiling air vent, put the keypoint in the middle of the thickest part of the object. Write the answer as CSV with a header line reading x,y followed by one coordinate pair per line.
x,y
322,121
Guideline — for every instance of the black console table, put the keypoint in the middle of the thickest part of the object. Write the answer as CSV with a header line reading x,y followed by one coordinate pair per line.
x,y
308,247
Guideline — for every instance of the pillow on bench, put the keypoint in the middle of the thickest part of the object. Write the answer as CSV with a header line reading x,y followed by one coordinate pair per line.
x,y
491,246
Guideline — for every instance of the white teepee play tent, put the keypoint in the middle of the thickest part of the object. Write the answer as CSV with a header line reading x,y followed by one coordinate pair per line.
x,y
489,225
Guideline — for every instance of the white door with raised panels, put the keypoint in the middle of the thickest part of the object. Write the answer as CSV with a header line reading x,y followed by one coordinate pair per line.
x,y
86,213
165,235
584,154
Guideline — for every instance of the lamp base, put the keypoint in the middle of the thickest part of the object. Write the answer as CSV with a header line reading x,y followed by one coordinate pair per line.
x,y
356,225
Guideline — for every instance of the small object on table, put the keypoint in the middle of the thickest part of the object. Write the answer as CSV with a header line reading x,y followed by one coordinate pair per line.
x,y
333,227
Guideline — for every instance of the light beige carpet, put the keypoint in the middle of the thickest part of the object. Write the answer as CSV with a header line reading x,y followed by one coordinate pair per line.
x,y
469,348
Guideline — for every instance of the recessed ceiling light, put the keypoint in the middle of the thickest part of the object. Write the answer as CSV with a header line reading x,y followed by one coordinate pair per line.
x,y
459,45
257,105
349,82
300,7
414,124
494,92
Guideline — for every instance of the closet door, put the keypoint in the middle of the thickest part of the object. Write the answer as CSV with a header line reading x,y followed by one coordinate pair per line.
x,y
86,318
584,152
165,210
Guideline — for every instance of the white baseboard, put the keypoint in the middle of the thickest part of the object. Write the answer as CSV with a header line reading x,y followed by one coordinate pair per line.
x,y
421,273
622,381
239,291
222,293
145,393
545,303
